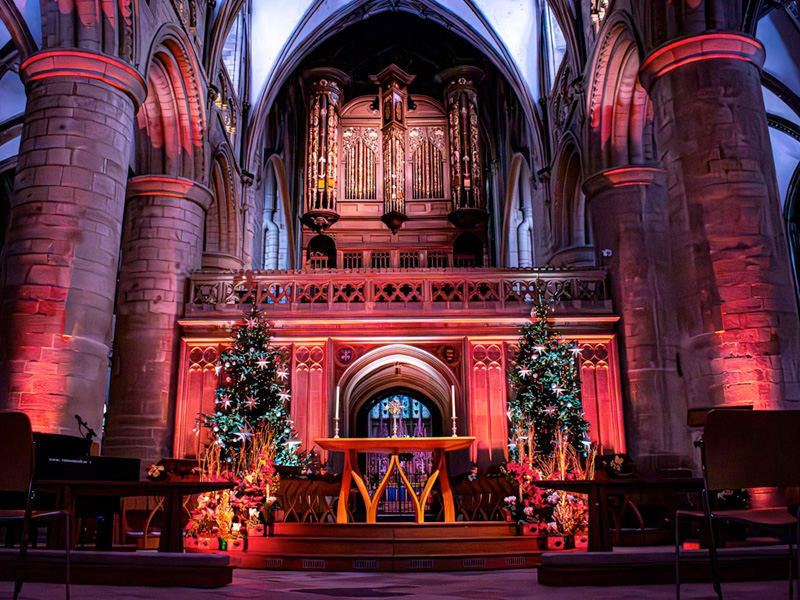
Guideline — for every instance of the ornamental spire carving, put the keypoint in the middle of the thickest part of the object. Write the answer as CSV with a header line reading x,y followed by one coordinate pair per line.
x,y
393,85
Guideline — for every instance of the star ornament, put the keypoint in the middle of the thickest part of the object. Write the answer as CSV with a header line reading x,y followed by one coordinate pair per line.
x,y
218,368
539,349
575,351
225,401
559,390
251,322
284,396
550,410
242,434
250,402
524,372
283,374
262,364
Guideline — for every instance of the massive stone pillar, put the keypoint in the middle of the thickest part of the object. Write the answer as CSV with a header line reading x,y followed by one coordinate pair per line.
x,y
62,250
628,218
162,242
736,306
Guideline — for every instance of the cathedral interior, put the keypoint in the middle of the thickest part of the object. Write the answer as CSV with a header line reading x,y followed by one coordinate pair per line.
x,y
392,184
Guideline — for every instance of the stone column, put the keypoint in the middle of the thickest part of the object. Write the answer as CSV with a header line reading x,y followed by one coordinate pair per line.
x,y
628,219
62,250
162,242
734,292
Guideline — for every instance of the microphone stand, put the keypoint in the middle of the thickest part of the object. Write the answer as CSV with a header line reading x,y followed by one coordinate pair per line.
x,y
87,432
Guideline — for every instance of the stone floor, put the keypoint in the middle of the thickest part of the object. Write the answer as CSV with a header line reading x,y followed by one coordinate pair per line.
x,y
485,585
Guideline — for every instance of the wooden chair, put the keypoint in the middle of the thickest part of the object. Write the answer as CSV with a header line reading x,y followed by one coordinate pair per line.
x,y
17,455
747,450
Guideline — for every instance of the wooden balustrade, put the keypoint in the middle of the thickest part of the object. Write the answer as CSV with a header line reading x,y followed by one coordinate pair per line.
x,y
418,291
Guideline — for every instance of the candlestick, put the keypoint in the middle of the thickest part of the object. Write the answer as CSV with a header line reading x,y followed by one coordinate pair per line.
x,y
453,402
336,415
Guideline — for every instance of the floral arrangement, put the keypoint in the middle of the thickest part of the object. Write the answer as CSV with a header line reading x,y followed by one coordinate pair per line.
x,y
250,502
552,512
249,432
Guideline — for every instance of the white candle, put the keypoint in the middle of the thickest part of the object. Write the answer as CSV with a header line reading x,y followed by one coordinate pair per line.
x,y
337,401
453,398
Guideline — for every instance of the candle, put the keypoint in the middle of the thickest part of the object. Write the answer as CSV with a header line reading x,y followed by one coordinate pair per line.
x,y
453,398
337,401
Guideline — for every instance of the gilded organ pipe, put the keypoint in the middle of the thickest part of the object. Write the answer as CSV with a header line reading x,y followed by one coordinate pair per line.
x,y
322,159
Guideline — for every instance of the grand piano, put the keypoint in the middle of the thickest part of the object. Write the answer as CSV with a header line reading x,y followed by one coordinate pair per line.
x,y
69,458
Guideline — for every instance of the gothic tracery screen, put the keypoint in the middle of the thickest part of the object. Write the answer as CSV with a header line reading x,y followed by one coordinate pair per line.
x,y
360,147
428,149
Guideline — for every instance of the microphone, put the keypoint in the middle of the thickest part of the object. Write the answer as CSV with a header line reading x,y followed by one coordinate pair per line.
x,y
90,434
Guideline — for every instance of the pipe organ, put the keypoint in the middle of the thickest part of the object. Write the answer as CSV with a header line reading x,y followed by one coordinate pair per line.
x,y
395,179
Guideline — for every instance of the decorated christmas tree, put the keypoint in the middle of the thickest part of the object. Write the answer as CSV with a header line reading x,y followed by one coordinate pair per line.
x,y
253,401
548,393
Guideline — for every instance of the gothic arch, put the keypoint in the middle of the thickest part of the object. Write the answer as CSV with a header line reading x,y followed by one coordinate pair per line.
x,y
620,123
568,209
172,120
513,214
395,365
275,174
223,23
223,221
17,28
565,13
337,19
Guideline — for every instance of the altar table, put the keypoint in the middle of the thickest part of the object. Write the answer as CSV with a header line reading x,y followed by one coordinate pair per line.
x,y
395,446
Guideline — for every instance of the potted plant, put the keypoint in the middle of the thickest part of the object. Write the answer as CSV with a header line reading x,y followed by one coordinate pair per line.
x,y
202,532
234,541
581,539
254,526
556,539
275,513
509,508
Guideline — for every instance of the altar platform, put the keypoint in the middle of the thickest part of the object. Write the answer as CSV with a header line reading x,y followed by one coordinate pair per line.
x,y
389,547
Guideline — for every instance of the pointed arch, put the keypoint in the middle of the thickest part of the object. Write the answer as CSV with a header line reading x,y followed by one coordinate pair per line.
x,y
517,241
275,174
620,114
566,14
224,218
171,123
390,366
328,21
18,29
568,209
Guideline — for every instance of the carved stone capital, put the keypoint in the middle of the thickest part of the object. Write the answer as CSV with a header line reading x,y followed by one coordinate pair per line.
x,y
620,177
77,63
171,187
709,46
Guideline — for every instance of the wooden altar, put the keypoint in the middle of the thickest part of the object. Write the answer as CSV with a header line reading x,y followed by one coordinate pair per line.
x,y
439,446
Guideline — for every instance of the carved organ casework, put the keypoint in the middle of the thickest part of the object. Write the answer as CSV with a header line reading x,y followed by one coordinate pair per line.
x,y
404,178
323,148
393,102
466,166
